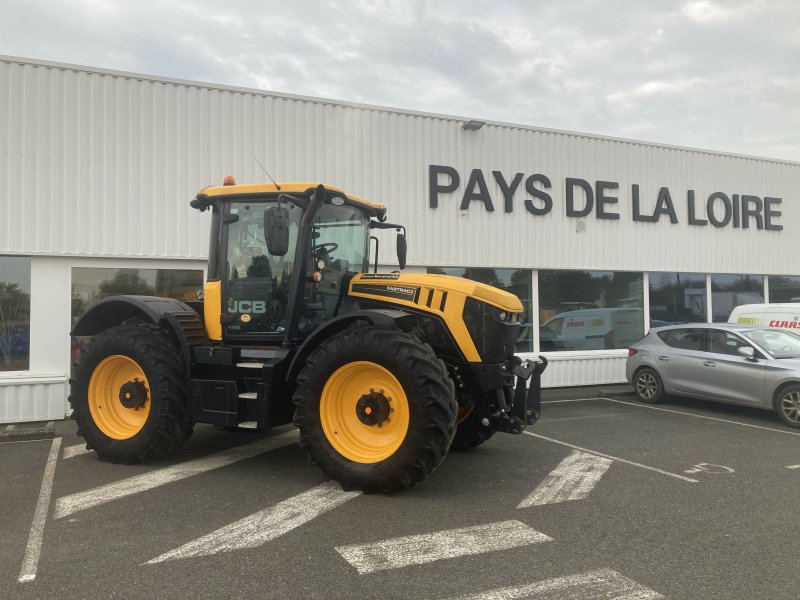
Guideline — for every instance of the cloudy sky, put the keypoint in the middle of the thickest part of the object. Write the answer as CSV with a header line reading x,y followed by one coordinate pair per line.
x,y
716,74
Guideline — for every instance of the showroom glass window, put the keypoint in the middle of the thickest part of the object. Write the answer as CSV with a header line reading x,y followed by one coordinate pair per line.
x,y
515,281
728,291
784,288
15,313
90,285
590,310
677,298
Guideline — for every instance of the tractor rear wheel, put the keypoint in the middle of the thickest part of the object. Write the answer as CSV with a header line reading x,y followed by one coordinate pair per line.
x,y
375,408
128,394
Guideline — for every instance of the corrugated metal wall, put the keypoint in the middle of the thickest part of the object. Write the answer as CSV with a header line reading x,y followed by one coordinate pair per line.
x,y
39,399
103,163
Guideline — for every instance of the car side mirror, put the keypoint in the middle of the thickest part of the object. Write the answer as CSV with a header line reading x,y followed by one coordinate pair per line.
x,y
747,352
276,230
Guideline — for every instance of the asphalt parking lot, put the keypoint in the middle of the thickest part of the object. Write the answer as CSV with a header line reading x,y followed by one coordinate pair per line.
x,y
604,498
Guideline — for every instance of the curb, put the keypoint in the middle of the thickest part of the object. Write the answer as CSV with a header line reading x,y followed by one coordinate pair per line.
x,y
25,432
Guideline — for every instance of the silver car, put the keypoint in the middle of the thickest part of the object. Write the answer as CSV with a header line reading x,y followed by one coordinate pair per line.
x,y
739,364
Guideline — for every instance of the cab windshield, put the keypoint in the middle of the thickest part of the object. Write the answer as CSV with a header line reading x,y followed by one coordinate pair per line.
x,y
779,344
339,238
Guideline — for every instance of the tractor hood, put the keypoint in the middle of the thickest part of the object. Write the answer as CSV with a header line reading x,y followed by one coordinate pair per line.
x,y
431,291
452,299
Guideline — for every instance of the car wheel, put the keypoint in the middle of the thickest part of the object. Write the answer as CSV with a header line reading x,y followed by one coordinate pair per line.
x,y
787,405
648,386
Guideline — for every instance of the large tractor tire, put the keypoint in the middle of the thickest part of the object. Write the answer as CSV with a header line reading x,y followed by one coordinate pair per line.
x,y
470,432
375,408
128,394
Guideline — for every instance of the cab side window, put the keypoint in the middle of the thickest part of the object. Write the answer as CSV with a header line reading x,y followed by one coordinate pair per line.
x,y
256,283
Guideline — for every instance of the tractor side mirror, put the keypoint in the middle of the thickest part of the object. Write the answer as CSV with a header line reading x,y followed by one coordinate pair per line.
x,y
276,230
402,250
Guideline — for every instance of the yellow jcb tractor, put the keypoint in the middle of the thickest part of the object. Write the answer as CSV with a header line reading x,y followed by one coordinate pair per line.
x,y
383,373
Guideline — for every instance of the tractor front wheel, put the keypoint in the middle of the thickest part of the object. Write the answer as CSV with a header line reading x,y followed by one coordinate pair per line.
x,y
128,395
375,408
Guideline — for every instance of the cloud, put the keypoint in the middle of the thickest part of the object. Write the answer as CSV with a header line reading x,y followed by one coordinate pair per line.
x,y
719,75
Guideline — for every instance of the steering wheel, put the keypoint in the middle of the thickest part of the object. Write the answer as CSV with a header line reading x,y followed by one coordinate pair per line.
x,y
326,247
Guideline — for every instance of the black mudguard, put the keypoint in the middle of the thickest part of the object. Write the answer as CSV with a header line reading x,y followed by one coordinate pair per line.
x,y
183,322
399,319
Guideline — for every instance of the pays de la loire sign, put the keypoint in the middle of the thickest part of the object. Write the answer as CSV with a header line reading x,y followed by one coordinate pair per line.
x,y
582,198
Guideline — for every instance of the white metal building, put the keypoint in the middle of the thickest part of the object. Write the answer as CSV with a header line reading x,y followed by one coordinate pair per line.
x,y
599,236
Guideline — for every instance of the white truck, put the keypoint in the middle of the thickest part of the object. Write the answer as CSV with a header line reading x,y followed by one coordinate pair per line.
x,y
778,316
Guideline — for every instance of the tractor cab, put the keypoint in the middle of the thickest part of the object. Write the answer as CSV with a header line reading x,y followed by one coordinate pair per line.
x,y
284,255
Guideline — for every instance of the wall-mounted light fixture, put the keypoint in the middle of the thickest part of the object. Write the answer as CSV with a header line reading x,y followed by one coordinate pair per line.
x,y
473,125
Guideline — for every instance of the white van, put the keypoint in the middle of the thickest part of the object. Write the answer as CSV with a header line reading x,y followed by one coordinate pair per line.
x,y
778,316
597,328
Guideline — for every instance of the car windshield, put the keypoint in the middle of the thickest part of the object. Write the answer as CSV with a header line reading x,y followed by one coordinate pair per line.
x,y
779,344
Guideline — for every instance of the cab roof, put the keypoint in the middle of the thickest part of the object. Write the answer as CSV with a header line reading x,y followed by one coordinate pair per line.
x,y
293,187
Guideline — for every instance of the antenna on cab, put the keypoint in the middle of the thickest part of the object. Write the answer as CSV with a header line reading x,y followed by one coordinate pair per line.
x,y
277,187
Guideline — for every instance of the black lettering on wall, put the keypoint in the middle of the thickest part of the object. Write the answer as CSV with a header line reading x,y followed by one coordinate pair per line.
x,y
435,188
736,210
693,220
508,190
726,206
587,189
547,201
664,206
754,212
603,200
476,180
637,215
770,213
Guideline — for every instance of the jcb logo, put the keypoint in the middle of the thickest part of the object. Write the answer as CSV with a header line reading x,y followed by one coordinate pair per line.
x,y
247,306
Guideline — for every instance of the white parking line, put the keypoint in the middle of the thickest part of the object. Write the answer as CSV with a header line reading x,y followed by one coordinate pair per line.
x,y
688,414
571,400
49,440
139,483
603,583
265,525
793,466
614,458
76,450
429,547
573,479
30,563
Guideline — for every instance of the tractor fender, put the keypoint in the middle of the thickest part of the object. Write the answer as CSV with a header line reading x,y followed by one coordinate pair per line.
x,y
384,317
183,323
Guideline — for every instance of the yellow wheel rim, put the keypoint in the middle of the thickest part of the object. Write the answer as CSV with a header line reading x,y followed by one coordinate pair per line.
x,y
115,382
364,412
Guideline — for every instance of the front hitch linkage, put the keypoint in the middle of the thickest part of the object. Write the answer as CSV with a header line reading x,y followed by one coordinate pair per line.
x,y
526,407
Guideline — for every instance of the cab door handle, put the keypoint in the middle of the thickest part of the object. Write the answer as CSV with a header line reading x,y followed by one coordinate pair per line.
x,y
709,363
